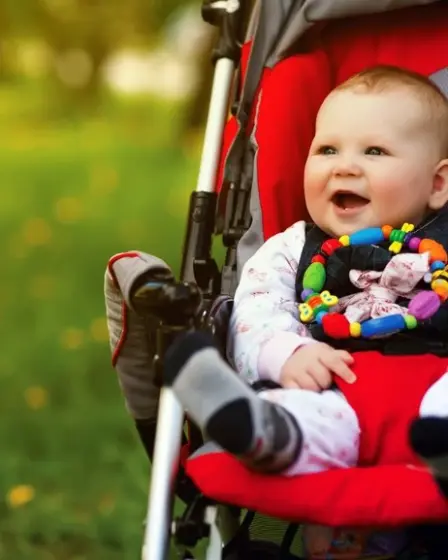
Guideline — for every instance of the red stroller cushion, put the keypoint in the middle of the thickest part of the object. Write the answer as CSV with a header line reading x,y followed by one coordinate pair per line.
x,y
402,495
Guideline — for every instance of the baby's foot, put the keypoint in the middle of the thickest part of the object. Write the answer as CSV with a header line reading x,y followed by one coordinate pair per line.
x,y
263,435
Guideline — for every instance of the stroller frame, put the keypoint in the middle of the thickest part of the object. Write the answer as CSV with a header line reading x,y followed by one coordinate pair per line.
x,y
187,304
184,307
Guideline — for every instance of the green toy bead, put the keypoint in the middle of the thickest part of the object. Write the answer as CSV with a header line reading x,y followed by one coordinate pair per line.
x,y
314,277
319,309
397,235
411,321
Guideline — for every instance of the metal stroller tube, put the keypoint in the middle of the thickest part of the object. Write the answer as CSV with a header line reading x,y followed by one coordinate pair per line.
x,y
217,115
164,470
176,305
170,414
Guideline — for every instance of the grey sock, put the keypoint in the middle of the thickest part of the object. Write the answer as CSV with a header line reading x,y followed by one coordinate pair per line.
x,y
262,434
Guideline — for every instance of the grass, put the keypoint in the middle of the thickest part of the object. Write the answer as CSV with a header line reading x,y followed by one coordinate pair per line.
x,y
73,477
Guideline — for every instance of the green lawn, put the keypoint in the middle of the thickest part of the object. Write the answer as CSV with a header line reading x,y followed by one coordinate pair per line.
x,y
73,477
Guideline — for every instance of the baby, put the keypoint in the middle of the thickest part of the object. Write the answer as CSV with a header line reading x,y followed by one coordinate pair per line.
x,y
378,158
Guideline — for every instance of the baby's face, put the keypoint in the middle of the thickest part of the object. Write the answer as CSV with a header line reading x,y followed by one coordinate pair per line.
x,y
372,162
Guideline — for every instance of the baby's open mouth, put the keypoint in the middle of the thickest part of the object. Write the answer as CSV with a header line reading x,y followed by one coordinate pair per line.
x,y
349,200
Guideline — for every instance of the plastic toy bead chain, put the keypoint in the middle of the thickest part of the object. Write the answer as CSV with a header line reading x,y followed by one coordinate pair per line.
x,y
317,304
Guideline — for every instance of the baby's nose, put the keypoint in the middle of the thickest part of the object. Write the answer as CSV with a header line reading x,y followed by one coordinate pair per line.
x,y
345,167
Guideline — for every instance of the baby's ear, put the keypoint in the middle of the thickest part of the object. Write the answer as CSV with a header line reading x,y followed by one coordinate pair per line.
x,y
439,194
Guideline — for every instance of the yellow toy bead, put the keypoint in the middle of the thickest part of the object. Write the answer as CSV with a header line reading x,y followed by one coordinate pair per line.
x,y
355,330
328,298
440,287
344,240
439,282
395,247
306,313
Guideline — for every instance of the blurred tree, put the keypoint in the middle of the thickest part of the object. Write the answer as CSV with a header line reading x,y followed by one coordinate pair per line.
x,y
81,34
161,10
4,35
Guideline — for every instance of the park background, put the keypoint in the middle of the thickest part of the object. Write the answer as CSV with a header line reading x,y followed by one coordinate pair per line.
x,y
102,108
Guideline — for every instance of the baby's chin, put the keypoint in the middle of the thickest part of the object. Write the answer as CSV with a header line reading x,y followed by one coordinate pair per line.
x,y
338,231
336,227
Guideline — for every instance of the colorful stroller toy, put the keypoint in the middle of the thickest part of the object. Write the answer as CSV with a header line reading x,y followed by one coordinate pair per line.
x,y
275,62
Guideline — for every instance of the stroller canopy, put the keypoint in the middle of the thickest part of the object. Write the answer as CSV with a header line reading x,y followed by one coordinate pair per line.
x,y
278,25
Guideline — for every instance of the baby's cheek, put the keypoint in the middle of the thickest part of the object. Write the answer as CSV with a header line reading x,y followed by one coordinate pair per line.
x,y
393,196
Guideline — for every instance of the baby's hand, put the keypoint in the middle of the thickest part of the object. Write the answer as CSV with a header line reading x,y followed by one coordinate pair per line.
x,y
312,367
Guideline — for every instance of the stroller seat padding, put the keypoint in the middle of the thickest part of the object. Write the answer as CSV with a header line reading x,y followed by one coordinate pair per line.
x,y
386,496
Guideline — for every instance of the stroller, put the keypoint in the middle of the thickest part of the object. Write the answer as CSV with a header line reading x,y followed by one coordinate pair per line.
x,y
275,63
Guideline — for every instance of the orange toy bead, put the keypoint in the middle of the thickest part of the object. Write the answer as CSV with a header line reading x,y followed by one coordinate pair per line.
x,y
314,301
435,250
387,230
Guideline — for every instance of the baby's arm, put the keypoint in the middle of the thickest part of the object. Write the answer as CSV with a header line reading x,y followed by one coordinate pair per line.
x,y
264,327
266,339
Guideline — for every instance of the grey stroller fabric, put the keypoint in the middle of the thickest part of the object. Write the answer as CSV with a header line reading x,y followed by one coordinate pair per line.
x,y
302,14
276,26
130,335
279,24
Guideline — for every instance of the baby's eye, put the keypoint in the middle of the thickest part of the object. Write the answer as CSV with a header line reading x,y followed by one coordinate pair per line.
x,y
326,151
375,151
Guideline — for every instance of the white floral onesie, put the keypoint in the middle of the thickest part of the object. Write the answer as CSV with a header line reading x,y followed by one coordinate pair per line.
x,y
265,331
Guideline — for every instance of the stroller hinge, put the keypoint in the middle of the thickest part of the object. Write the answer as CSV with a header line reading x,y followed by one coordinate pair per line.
x,y
237,221
237,214
191,527
175,304
231,17
197,263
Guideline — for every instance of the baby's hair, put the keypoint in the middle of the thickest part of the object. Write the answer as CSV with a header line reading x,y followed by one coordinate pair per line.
x,y
385,78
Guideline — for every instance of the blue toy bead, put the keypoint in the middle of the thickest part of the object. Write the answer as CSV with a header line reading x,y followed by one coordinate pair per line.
x,y
320,316
367,236
437,265
383,326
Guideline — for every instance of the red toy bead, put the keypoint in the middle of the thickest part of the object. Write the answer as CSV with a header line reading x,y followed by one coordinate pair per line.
x,y
330,246
319,259
336,325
